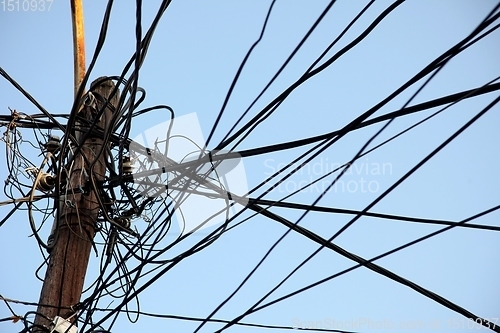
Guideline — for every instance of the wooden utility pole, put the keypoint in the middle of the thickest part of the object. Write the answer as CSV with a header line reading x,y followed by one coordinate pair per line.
x,y
78,212
78,205
78,42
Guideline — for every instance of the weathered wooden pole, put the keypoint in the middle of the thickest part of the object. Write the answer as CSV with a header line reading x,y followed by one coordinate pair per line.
x,y
78,42
78,212
78,205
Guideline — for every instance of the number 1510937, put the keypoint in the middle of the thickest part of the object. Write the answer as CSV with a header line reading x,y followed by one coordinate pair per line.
x,y
26,5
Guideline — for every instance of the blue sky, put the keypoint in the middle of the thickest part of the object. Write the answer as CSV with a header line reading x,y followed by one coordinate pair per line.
x,y
191,62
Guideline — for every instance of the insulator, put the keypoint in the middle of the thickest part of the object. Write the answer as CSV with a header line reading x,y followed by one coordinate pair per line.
x,y
123,221
60,325
46,183
127,166
53,144
51,240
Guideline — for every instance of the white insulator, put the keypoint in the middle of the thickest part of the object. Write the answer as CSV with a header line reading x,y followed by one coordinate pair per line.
x,y
46,182
127,166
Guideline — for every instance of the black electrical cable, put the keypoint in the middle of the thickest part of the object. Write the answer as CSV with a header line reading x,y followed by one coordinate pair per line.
x,y
121,279
440,66
280,70
327,243
385,254
238,73
308,75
